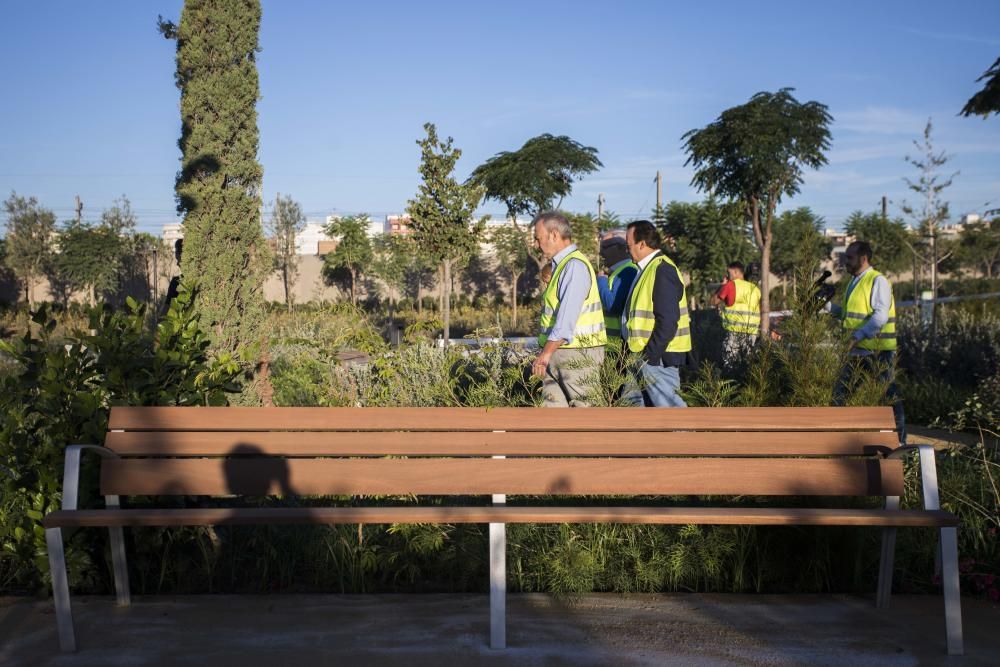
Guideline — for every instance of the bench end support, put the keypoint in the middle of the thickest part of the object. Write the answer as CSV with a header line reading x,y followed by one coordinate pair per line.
x,y
498,586
60,589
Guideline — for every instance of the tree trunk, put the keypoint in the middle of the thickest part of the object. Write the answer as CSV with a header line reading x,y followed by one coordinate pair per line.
x,y
446,310
765,270
284,279
420,302
354,298
513,299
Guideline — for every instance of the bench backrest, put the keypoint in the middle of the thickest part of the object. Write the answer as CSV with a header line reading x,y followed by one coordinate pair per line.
x,y
451,451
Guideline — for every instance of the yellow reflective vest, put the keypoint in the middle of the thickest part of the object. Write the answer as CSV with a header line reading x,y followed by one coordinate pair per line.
x,y
744,315
640,320
589,330
857,309
613,323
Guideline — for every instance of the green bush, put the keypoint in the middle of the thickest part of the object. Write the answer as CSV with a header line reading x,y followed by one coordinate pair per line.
x,y
59,394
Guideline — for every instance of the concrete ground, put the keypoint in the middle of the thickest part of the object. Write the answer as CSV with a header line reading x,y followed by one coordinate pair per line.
x,y
607,629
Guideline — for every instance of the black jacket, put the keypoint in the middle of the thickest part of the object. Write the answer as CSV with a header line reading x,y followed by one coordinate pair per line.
x,y
667,292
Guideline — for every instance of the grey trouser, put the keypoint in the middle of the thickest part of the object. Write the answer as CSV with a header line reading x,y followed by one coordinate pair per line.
x,y
571,377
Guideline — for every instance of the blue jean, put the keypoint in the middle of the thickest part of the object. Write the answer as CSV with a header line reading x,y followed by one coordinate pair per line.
x,y
656,384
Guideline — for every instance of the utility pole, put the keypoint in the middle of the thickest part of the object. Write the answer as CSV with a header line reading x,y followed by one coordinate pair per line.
x,y
79,210
600,208
659,191
885,208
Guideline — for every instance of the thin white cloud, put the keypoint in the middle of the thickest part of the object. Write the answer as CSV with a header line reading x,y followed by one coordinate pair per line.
x,y
880,120
952,37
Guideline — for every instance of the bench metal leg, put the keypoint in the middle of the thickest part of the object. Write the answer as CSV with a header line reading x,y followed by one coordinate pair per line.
x,y
120,566
60,589
498,585
884,591
118,562
885,568
952,594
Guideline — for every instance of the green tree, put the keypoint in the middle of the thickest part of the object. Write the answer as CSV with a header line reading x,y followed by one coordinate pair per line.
x,y
707,236
889,239
443,212
987,100
287,222
799,244
218,186
353,254
88,258
609,221
536,177
390,258
755,154
979,246
29,240
531,179
511,251
585,234
932,211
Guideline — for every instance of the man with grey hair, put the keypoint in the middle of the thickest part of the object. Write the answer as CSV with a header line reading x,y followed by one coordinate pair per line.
x,y
572,335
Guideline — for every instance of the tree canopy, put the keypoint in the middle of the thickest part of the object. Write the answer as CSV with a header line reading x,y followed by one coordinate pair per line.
x,y
707,236
219,183
353,253
756,153
287,222
889,240
30,229
799,243
537,175
987,100
443,211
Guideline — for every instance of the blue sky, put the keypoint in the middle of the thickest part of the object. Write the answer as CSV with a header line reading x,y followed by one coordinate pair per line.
x,y
90,106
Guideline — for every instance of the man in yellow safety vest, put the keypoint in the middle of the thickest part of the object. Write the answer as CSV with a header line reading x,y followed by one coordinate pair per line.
x,y
571,325
868,313
740,301
655,324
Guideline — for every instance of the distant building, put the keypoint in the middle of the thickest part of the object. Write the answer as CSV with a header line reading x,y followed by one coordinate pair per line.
x,y
397,224
839,240
172,232
312,236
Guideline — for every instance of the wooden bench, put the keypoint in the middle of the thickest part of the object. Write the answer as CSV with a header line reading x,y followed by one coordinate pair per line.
x,y
775,452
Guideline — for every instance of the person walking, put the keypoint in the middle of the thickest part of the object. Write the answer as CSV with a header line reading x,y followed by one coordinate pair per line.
x,y
740,301
656,325
615,284
571,325
868,313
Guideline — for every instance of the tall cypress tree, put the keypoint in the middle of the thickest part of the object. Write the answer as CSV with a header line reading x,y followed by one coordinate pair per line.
x,y
219,184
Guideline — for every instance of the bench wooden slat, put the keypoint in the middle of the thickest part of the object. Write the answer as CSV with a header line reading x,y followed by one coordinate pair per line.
x,y
487,514
701,476
502,419
584,443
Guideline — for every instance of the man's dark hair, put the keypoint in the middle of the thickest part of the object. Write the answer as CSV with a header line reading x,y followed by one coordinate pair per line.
x,y
736,265
644,230
862,248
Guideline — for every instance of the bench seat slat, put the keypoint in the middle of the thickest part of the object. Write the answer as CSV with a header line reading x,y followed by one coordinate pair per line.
x,y
438,514
585,443
505,419
536,476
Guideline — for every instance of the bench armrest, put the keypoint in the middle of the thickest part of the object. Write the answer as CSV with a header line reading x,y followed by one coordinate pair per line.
x,y
71,473
928,472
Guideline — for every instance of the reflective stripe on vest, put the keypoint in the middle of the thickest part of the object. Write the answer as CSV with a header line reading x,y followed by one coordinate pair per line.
x,y
640,321
589,329
858,308
613,323
744,315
